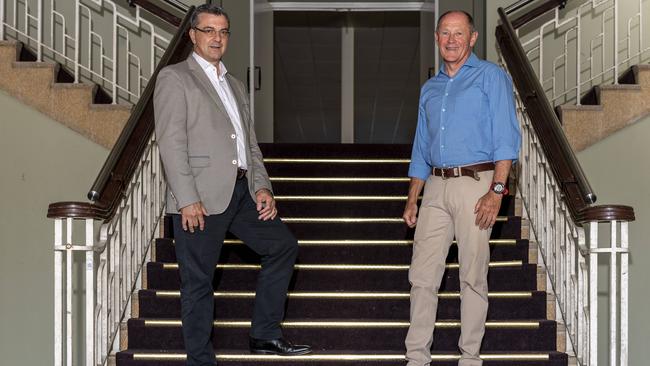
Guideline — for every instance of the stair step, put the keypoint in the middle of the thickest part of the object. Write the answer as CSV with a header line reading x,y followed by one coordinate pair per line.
x,y
162,276
348,168
337,334
384,228
347,305
337,358
322,185
350,151
390,228
352,205
347,252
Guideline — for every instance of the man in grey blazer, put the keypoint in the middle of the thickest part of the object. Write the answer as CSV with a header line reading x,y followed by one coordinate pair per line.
x,y
218,183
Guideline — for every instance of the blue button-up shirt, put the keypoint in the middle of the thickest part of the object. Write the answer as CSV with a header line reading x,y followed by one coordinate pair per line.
x,y
466,119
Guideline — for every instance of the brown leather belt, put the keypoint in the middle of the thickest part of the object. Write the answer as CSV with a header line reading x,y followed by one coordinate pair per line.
x,y
468,171
241,173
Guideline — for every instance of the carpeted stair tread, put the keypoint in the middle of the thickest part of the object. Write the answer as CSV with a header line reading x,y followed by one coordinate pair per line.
x,y
321,185
391,306
520,278
336,334
328,169
391,230
145,357
350,151
355,206
384,252
394,230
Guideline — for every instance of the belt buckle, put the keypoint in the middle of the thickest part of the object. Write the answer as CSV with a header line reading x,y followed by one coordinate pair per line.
x,y
455,173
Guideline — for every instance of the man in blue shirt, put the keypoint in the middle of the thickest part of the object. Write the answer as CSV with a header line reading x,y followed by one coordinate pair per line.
x,y
466,140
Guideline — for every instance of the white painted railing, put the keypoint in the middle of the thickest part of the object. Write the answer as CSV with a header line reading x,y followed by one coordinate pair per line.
x,y
561,242
570,254
588,44
556,194
97,40
122,246
570,257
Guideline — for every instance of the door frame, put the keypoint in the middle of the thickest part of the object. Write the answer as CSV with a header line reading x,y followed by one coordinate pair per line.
x,y
430,7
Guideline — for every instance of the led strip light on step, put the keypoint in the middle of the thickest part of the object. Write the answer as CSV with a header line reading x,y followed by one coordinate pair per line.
x,y
339,179
341,198
345,242
347,295
355,220
347,267
338,161
349,324
337,357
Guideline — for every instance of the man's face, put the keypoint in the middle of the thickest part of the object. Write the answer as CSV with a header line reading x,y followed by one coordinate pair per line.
x,y
212,42
455,38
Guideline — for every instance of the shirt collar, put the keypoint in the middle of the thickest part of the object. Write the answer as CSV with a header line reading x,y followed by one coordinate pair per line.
x,y
472,61
205,65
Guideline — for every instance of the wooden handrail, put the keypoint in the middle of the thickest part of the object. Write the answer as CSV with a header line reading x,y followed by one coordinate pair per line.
x,y
113,179
536,12
162,13
567,170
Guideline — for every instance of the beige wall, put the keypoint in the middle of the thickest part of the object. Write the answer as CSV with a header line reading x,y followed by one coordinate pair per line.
x,y
41,162
491,22
618,171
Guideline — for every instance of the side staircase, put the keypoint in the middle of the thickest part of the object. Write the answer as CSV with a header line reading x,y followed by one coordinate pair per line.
x,y
349,297
605,109
50,89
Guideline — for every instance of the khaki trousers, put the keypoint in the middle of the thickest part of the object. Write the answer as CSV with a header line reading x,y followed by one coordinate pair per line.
x,y
447,210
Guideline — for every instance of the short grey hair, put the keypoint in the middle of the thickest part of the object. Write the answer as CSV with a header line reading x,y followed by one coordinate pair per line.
x,y
470,20
208,9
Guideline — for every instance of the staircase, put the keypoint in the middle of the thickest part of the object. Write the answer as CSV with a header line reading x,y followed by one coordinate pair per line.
x,y
49,88
349,297
606,109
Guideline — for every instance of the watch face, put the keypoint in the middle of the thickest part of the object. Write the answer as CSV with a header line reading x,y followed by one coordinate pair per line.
x,y
498,187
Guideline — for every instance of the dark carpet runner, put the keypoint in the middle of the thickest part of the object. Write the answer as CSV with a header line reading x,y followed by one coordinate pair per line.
x,y
349,294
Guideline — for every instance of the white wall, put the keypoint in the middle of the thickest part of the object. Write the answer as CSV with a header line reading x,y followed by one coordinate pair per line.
x,y
491,22
41,162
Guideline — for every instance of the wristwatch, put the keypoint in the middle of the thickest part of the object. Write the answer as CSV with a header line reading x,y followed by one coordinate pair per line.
x,y
499,188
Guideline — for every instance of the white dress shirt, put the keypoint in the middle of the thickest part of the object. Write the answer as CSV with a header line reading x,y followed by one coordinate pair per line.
x,y
227,97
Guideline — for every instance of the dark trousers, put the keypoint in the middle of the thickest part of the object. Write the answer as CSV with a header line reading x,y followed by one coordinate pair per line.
x,y
197,255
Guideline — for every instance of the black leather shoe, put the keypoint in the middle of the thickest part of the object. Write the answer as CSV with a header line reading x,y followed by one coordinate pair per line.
x,y
278,346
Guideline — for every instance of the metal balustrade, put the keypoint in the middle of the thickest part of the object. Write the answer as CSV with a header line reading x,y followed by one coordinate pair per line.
x,y
596,39
570,255
93,38
113,262
558,201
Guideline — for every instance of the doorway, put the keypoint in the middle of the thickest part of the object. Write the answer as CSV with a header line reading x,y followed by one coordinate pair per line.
x,y
346,76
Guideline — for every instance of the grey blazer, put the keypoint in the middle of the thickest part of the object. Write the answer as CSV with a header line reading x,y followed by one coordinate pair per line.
x,y
196,139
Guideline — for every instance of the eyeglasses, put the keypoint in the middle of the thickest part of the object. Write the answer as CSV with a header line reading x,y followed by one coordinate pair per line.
x,y
224,33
